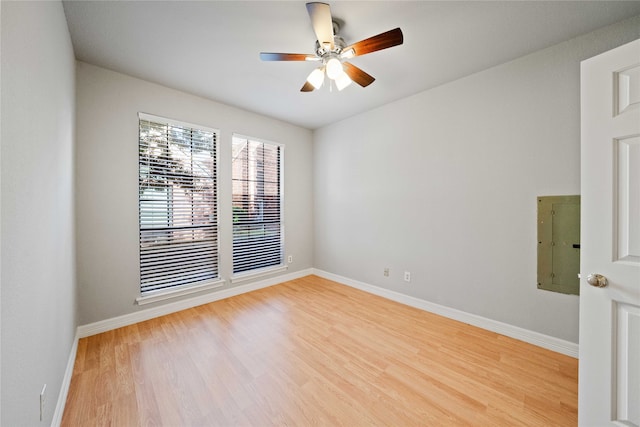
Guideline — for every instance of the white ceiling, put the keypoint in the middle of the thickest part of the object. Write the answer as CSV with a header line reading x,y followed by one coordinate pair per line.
x,y
211,48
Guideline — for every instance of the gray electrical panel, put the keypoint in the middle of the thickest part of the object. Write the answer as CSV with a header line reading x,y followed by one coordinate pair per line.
x,y
559,244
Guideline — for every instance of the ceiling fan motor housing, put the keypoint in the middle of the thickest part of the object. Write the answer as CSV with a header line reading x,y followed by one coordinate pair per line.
x,y
338,43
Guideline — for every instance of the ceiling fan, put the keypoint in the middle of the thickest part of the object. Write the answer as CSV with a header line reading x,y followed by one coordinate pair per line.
x,y
332,51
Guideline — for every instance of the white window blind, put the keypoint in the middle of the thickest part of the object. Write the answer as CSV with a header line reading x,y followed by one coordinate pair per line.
x,y
257,205
178,212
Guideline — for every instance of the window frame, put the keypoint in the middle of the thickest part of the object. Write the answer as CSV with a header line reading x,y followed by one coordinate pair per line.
x,y
173,291
282,266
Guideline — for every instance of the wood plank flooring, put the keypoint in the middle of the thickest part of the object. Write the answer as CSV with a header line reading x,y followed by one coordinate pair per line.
x,y
314,352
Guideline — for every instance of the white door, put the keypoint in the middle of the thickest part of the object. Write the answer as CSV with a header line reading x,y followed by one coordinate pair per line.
x,y
609,377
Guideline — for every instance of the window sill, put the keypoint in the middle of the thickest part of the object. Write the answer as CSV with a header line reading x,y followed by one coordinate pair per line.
x,y
152,297
242,277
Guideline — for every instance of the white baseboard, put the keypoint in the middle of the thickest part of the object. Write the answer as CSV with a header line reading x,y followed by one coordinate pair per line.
x,y
541,340
151,313
66,382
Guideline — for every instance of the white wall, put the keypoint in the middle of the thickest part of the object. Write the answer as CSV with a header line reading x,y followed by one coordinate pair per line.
x,y
107,182
0,215
444,184
38,267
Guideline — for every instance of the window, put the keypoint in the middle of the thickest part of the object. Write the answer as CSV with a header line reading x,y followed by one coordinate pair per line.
x,y
257,205
178,212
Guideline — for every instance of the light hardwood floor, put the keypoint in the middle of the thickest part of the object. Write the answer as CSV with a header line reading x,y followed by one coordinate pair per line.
x,y
314,352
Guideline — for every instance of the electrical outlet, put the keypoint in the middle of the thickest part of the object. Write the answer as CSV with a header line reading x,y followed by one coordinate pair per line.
x,y
43,397
290,259
407,276
386,272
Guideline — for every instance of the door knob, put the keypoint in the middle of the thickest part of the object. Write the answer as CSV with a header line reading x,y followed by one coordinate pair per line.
x,y
597,280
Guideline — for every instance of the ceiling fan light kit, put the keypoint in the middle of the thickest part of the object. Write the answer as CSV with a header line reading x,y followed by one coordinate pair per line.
x,y
342,81
334,68
333,52
316,78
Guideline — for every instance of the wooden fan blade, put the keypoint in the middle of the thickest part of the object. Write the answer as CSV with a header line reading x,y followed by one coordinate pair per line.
x,y
381,41
308,87
270,56
320,15
357,75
